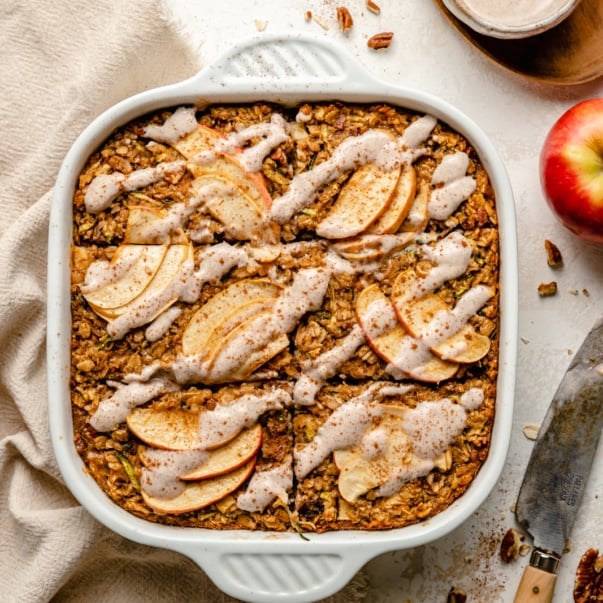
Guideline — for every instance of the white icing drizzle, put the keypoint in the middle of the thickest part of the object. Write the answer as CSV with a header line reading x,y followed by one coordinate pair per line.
x,y
272,134
214,262
179,124
153,301
267,485
451,256
103,272
374,443
453,186
418,132
350,154
105,188
344,427
373,146
473,398
304,294
163,468
225,421
431,427
448,322
135,390
159,327
302,117
324,366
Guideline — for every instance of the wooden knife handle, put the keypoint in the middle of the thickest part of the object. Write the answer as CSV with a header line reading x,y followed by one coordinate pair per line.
x,y
536,586
538,581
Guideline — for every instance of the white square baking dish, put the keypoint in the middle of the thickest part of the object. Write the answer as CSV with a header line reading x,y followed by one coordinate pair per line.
x,y
270,566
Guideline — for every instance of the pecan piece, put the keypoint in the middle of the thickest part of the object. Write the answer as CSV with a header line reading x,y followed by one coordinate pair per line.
x,y
553,255
380,40
456,595
588,586
373,7
510,545
547,289
344,18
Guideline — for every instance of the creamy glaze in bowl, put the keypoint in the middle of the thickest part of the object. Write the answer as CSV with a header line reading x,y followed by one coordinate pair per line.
x,y
521,19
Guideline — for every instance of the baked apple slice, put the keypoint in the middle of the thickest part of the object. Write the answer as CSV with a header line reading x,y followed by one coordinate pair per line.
x,y
399,204
227,167
172,429
239,354
199,494
124,278
242,217
361,470
363,198
222,309
389,340
230,456
418,214
146,225
199,140
446,330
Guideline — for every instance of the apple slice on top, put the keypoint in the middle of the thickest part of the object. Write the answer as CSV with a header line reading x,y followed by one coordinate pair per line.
x,y
418,214
200,494
197,141
166,429
389,340
359,474
230,456
399,204
145,227
225,458
152,274
228,363
259,357
451,341
243,218
223,307
363,198
132,268
229,168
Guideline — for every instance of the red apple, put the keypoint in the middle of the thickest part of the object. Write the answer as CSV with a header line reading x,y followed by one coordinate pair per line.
x,y
571,169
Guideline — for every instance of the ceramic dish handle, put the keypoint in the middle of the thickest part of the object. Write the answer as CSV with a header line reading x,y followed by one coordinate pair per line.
x,y
292,66
284,64
273,577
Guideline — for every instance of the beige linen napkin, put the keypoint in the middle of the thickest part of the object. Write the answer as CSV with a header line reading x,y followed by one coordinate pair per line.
x,y
61,64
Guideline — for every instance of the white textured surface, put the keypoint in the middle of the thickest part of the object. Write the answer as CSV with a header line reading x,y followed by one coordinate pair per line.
x,y
516,114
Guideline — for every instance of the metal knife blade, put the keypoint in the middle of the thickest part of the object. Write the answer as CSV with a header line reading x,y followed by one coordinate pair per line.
x,y
562,456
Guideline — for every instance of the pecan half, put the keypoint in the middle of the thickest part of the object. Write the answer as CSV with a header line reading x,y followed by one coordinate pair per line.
x,y
344,18
373,7
588,586
380,40
553,255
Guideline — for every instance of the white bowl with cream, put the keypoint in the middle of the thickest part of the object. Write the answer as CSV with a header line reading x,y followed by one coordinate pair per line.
x,y
508,20
257,565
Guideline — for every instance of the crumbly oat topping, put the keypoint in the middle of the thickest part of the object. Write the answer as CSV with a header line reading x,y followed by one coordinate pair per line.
x,y
292,326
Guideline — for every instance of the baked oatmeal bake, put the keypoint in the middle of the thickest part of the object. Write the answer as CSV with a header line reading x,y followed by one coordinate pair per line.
x,y
284,318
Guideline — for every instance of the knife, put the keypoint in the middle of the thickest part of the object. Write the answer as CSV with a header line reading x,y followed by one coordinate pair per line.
x,y
559,465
